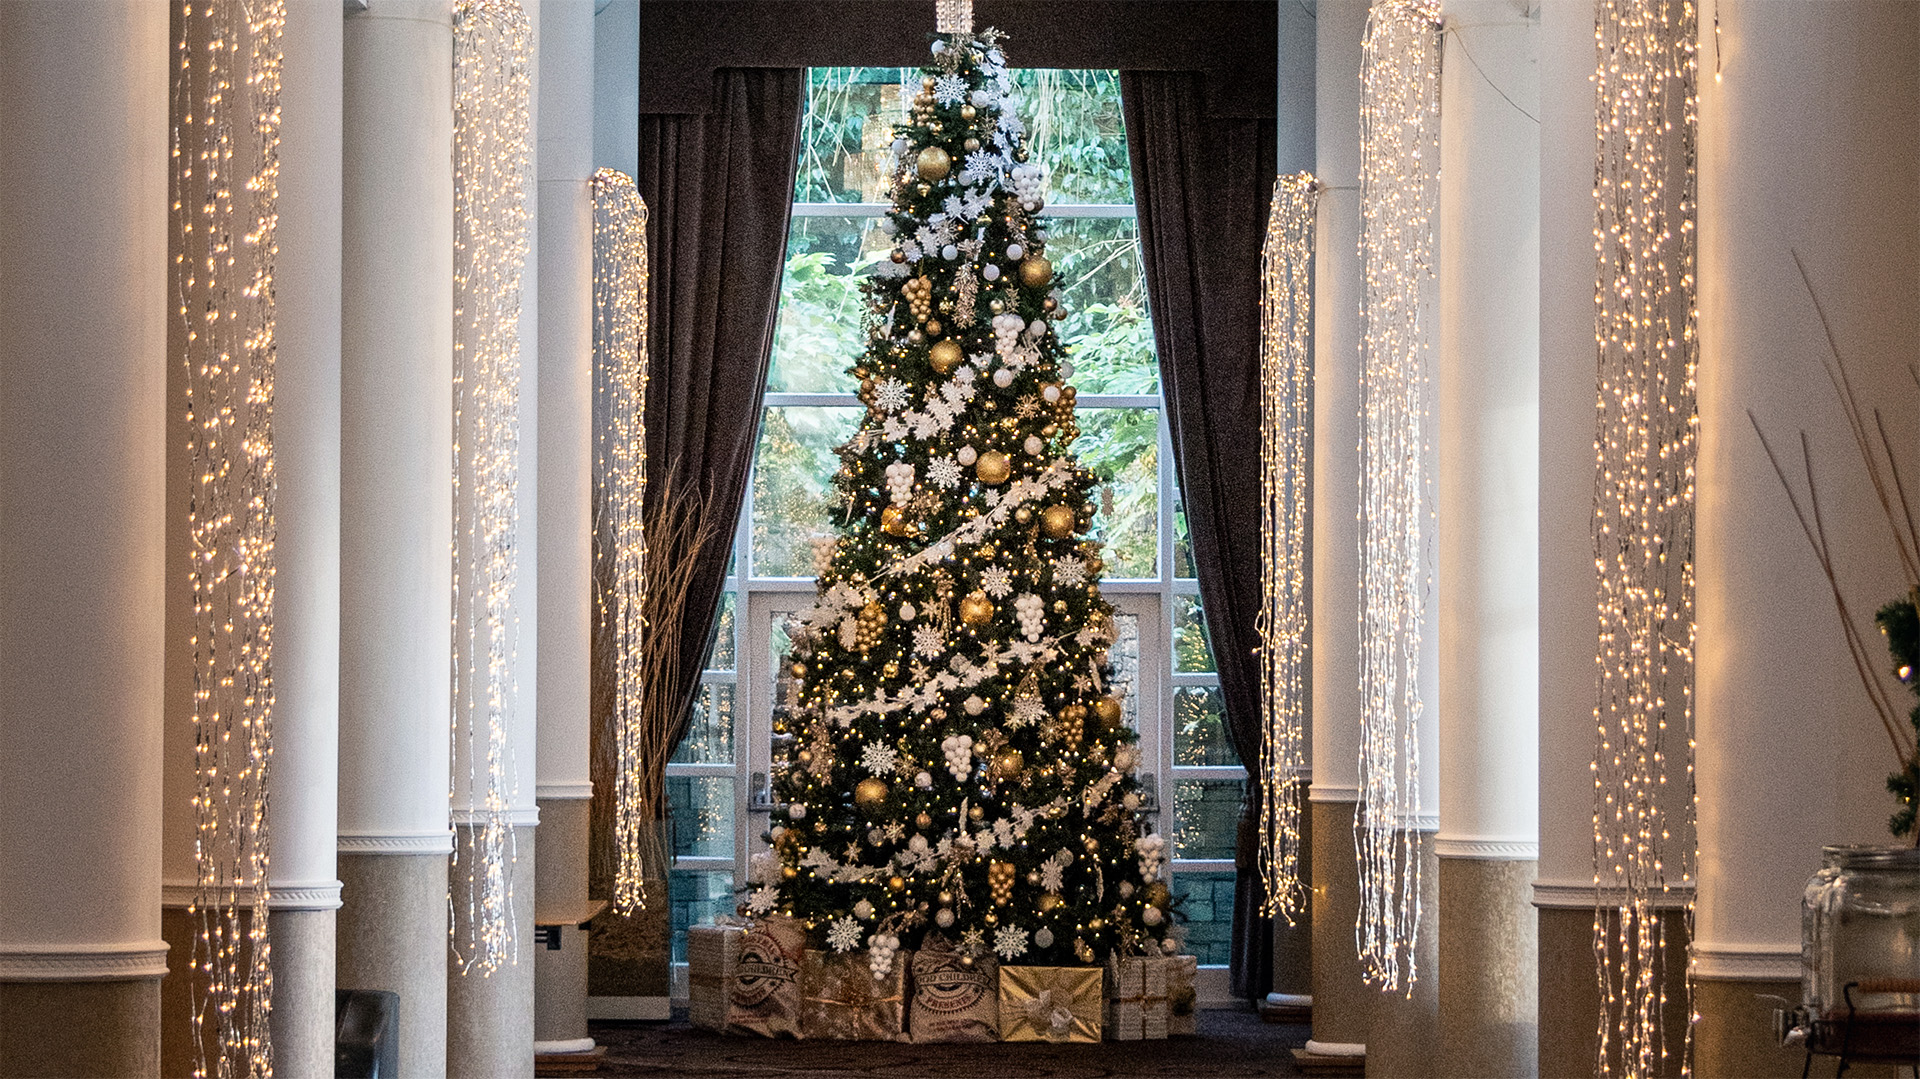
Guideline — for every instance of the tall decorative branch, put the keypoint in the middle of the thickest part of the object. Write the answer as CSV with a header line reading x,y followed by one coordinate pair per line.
x,y
1645,313
226,108
493,156
1399,154
1286,427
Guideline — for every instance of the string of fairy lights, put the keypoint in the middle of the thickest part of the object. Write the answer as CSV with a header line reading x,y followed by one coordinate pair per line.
x,y
1645,120
492,167
1286,427
224,180
1399,155
620,383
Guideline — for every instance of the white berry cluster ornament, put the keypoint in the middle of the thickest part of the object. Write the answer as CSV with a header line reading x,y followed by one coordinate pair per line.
x,y
900,482
1006,332
1031,611
1152,850
1030,186
958,749
880,952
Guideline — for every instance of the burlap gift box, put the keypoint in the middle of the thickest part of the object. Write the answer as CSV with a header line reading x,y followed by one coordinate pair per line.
x,y
952,1001
712,951
763,996
1183,1000
841,998
1050,1004
1136,998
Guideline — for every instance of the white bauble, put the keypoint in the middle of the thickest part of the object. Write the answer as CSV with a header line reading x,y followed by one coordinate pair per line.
x,y
949,252
967,456
1152,916
1050,394
1034,446
943,918
990,272
1003,377
1014,251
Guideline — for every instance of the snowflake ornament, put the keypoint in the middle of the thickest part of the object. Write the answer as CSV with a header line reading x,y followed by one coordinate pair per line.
x,y
973,942
879,759
981,165
1027,710
763,899
927,642
890,395
844,934
1011,942
995,581
949,89
1068,571
944,472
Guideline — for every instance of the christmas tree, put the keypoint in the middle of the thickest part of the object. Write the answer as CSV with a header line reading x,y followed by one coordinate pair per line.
x,y
949,758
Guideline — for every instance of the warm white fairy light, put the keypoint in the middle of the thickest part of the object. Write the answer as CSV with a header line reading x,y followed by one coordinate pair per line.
x,y
620,383
226,113
1399,156
492,166
1286,423
1645,314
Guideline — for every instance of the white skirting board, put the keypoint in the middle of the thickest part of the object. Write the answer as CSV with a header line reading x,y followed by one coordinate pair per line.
x,y
653,1008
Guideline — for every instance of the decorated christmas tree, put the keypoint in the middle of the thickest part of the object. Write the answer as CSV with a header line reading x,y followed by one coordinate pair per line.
x,y
949,759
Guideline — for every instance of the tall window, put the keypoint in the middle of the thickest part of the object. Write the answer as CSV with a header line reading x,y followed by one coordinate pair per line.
x,y
717,781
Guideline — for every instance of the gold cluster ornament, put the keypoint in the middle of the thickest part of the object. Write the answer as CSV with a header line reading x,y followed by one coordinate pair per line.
x,y
976,609
1000,882
1035,271
918,292
1057,521
993,468
870,792
1070,726
933,164
945,355
869,627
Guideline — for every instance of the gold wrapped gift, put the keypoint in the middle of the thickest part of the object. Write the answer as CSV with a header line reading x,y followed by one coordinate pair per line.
x,y
1136,998
1183,1002
841,998
1050,1004
712,951
953,1001
763,996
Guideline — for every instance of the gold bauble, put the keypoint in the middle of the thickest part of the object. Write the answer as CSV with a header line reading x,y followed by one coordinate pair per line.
x,y
893,521
968,112
933,326
945,355
896,884
1007,765
976,813
1157,895
993,467
1109,712
870,792
934,164
1049,901
789,872
976,609
924,820
799,670
1096,923
1035,271
1057,521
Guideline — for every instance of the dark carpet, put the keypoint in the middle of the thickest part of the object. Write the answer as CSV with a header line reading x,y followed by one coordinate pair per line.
x,y
1230,1045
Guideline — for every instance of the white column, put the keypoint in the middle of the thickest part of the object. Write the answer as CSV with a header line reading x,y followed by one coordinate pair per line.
x,y
1341,1000
306,633
83,266
616,85
396,513
1488,530
1807,145
565,164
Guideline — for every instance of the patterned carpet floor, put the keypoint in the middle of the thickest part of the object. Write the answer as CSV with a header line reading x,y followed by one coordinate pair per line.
x,y
1230,1045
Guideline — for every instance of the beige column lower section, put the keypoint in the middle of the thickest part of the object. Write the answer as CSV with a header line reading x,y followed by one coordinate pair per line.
x,y
303,1007
1342,1002
393,936
1293,944
560,974
52,1030
1735,1037
490,1015
1489,955
1569,1009
1405,1028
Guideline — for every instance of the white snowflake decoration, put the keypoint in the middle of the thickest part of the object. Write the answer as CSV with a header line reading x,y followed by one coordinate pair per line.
x,y
949,89
890,395
844,934
981,165
995,581
1053,868
973,942
1068,571
879,759
927,642
763,899
944,472
895,429
1011,942
1027,710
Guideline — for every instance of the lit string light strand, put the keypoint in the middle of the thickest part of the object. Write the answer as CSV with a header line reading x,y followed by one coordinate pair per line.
x,y
226,111
493,159
1645,314
1286,371
1399,153
953,16
620,383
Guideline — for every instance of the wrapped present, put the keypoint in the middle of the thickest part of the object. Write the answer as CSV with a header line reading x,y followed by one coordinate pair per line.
x,y
953,1001
1136,997
763,996
712,951
1183,1002
841,998
1050,1004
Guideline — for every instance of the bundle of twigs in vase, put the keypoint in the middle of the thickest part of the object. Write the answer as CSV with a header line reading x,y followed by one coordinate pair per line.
x,y
1899,620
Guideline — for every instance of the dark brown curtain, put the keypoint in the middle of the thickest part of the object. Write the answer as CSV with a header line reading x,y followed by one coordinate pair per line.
x,y
1201,184
719,191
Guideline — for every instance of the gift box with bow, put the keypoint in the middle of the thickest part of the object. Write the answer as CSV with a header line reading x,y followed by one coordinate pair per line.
x,y
842,998
1136,997
1050,1004
712,951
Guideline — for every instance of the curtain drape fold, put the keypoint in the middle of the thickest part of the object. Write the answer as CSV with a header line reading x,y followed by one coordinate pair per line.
x,y
1201,187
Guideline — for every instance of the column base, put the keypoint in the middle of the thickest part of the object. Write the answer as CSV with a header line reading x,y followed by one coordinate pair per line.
x,y
490,1015
1342,1000
1569,1045
54,1030
1406,1029
1735,1035
392,935
303,1006
1489,950
560,907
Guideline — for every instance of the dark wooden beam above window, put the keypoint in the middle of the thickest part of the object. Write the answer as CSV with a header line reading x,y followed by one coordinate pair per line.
x,y
1233,42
